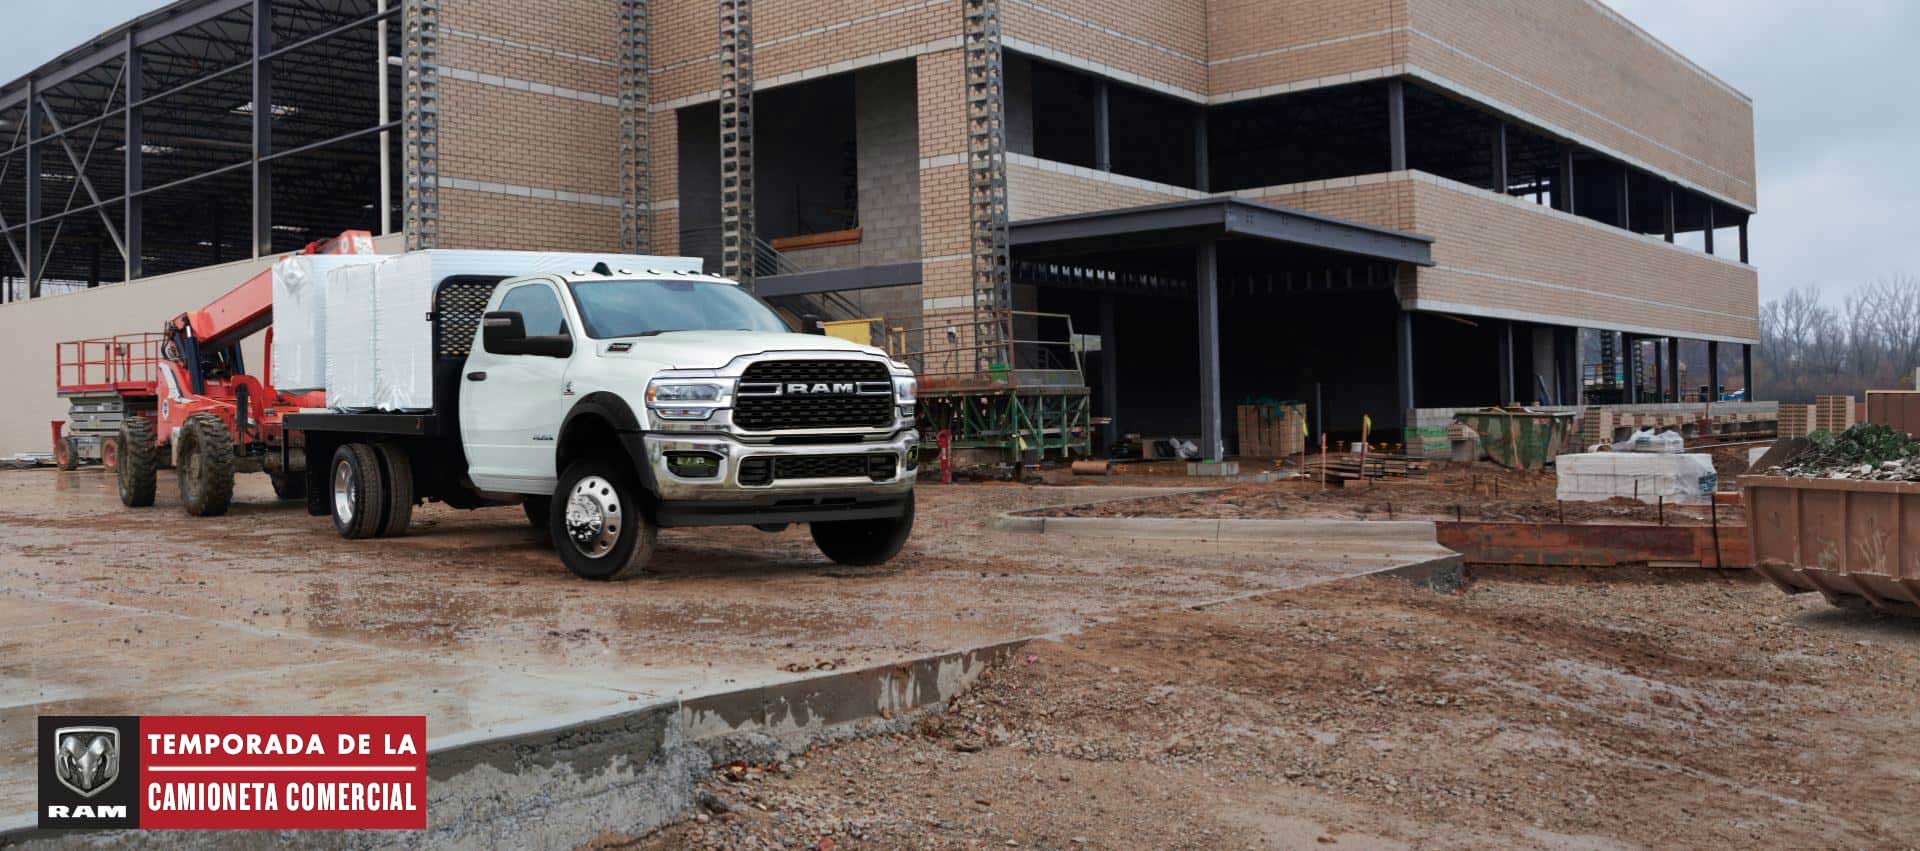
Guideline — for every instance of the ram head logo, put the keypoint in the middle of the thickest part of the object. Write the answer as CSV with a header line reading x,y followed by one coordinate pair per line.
x,y
86,759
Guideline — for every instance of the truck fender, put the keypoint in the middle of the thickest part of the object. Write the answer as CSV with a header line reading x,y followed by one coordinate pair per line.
x,y
598,413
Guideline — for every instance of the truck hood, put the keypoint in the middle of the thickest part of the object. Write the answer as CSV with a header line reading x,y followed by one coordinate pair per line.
x,y
714,349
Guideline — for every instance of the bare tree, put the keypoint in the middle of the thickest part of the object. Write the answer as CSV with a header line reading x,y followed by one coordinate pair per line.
x,y
1872,340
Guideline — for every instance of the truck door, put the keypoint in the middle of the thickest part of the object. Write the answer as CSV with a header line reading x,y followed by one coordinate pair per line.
x,y
511,406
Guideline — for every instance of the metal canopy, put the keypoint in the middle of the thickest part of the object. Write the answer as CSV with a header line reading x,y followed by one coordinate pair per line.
x,y
1205,219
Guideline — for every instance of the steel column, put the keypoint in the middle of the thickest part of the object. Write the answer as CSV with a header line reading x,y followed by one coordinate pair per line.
x,y
1397,124
1563,187
1500,178
1109,370
1670,212
1746,372
1202,152
1625,198
1745,256
1710,226
1403,367
383,109
1713,370
131,218
1673,367
1631,345
1503,346
1659,372
1102,128
262,129
32,231
1206,276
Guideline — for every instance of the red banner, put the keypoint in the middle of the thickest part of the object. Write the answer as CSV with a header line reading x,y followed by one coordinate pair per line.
x,y
255,772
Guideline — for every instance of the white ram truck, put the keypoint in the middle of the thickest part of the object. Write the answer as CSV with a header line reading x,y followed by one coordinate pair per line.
x,y
612,403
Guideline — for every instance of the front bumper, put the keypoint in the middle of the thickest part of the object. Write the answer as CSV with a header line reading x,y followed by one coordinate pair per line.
x,y
725,484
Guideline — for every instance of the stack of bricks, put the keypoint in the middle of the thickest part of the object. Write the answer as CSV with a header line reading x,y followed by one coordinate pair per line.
x,y
1795,420
1272,431
1833,414
1596,426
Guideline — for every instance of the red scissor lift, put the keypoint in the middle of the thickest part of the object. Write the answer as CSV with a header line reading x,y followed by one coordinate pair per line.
x,y
142,402
101,379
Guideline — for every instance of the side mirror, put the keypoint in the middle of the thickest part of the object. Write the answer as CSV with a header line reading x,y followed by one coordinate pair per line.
x,y
504,332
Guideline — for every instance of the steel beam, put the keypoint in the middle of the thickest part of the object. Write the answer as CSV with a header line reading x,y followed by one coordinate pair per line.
x,y
1673,367
131,219
1659,372
1397,124
1102,127
1670,211
1206,274
1710,226
1563,186
1109,370
1625,198
1202,152
262,44
80,175
1745,255
1503,346
1630,346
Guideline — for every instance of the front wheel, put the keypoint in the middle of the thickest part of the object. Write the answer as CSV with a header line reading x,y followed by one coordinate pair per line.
x,y
597,523
864,543
206,466
135,458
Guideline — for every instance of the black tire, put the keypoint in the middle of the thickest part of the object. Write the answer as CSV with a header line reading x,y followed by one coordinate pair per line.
x,y
396,473
134,464
289,486
357,494
537,509
863,543
206,466
613,500
64,456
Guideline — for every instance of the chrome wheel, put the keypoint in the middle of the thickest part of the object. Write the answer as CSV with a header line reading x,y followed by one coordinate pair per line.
x,y
593,516
346,489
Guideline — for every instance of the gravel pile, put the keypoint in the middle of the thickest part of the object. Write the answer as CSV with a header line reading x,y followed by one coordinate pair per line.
x,y
1864,452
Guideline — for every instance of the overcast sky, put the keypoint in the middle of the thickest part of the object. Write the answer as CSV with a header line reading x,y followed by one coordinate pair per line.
x,y
1835,111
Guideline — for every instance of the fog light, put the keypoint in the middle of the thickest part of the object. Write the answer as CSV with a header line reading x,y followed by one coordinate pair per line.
x,y
693,465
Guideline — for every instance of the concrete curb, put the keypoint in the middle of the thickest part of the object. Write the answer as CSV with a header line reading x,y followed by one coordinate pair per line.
x,y
1306,531
637,768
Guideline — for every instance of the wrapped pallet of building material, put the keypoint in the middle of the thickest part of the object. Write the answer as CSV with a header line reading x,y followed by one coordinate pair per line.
x,y
1682,478
300,318
400,327
350,337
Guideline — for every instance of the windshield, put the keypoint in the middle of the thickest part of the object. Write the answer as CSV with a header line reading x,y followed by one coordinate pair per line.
x,y
634,308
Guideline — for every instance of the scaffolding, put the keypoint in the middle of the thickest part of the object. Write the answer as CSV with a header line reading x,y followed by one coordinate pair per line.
x,y
422,121
1030,403
636,151
987,180
737,239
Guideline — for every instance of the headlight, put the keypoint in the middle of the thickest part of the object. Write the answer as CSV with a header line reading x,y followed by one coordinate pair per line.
x,y
904,387
671,399
677,393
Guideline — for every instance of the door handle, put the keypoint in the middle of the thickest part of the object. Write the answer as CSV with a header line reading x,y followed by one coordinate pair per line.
x,y
476,376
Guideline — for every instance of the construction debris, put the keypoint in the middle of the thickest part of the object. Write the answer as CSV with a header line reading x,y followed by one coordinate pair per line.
x,y
1864,452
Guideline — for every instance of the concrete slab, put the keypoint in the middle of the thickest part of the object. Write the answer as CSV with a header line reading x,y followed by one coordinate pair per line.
x,y
472,621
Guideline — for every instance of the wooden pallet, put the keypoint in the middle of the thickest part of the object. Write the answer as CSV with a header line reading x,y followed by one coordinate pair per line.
x,y
1349,467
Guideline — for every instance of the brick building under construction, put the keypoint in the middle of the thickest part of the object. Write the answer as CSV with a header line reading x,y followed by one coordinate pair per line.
x,y
1392,204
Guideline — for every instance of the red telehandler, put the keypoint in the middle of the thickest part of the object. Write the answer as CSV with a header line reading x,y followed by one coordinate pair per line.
x,y
185,400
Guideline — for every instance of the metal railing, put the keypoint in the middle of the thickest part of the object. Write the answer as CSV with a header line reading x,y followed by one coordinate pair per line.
x,y
1009,348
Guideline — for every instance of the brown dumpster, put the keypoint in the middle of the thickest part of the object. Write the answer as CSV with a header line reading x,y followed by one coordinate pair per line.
x,y
1846,539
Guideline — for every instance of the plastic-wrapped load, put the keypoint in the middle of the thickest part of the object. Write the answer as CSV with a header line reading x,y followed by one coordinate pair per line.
x,y
299,317
1685,479
350,330
399,326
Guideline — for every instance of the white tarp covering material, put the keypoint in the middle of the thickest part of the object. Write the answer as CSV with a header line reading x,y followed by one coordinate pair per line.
x,y
398,306
1684,479
350,336
300,318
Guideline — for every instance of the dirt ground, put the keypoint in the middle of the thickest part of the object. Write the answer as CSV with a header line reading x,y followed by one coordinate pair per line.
x,y
1594,710
1479,491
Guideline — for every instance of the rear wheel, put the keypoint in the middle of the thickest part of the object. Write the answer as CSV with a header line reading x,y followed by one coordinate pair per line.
x,y
134,461
865,542
206,466
396,473
63,455
359,496
597,522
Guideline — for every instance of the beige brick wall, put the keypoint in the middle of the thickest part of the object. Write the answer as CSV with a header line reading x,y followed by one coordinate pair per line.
x,y
1037,189
1164,41
528,94
1260,44
791,36
1508,257
1580,67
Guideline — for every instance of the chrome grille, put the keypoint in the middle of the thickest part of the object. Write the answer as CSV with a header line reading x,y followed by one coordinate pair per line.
x,y
762,406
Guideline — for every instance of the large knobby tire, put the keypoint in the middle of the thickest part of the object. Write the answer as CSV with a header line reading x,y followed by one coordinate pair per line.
x,y
64,457
396,474
597,523
206,466
289,486
135,461
864,543
358,495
